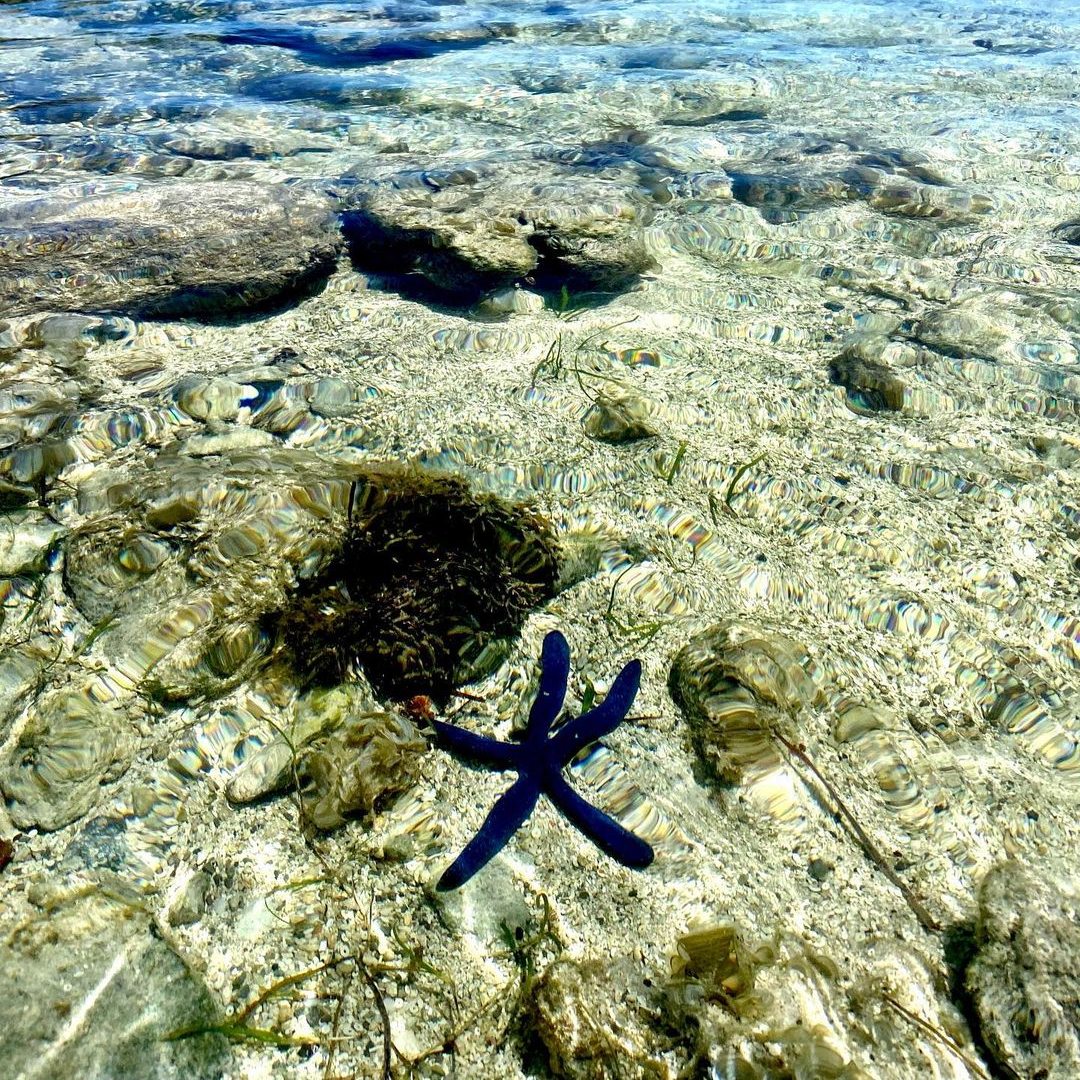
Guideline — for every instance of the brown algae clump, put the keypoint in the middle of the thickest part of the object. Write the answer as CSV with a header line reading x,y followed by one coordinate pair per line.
x,y
347,758
372,758
717,962
430,577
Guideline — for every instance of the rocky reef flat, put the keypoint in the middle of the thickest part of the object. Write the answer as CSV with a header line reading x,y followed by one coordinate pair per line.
x,y
358,348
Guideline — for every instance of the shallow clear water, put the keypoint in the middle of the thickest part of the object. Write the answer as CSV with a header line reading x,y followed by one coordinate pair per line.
x,y
771,309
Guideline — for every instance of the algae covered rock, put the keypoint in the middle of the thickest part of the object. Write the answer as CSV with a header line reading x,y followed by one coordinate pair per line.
x,y
92,991
144,251
596,1019
69,747
589,235
618,420
1025,976
346,757
733,682
374,756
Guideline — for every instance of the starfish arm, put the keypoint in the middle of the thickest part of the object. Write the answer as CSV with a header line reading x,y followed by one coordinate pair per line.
x,y
602,720
554,673
505,818
604,831
478,748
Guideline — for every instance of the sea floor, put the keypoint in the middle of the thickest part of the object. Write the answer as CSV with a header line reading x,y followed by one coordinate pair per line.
x,y
760,325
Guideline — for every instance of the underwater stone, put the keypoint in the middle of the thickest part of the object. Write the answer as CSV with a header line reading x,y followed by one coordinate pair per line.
x,y
511,302
774,193
199,665
190,904
912,199
347,756
486,912
25,542
71,335
871,387
211,399
1025,976
144,251
266,771
597,246
961,332
728,732
373,757
19,670
266,518
92,991
595,1019
68,749
32,466
581,234
774,668
225,442
461,252
617,420
331,397
736,684
1068,232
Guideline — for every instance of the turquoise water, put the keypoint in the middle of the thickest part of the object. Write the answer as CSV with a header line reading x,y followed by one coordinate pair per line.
x,y
771,312
276,89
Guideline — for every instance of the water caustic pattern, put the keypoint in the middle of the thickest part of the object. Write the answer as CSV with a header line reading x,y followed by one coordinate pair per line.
x,y
769,312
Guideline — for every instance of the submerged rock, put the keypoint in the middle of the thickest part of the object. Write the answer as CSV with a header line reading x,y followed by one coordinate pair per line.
x,y
470,233
70,746
596,1019
511,302
733,682
1025,977
25,541
145,251
870,386
618,420
1068,232
92,991
795,193
462,250
190,903
589,236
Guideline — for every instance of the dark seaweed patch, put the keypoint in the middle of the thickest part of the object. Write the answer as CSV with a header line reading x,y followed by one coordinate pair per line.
x,y
430,576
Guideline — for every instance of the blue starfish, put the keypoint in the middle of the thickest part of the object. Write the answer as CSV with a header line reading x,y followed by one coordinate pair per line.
x,y
539,761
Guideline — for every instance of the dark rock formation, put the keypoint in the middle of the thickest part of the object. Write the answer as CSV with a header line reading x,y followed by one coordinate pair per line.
x,y
169,249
